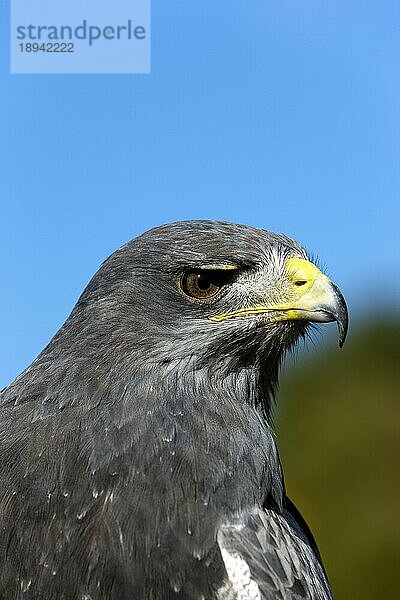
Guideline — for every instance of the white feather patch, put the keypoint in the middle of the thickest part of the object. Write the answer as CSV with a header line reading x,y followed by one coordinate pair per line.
x,y
240,577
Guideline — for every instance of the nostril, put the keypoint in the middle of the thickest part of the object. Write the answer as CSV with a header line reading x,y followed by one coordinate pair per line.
x,y
300,282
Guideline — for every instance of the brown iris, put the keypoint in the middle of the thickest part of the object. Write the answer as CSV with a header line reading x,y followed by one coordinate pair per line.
x,y
203,284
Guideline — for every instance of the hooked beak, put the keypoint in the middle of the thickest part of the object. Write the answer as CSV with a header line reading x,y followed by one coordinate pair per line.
x,y
309,296
320,302
324,303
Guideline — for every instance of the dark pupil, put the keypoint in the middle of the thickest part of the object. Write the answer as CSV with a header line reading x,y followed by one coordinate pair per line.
x,y
203,282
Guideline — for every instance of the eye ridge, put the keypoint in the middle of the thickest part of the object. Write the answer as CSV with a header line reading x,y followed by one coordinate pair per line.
x,y
204,284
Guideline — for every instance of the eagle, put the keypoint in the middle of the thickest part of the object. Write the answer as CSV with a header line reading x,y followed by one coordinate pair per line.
x,y
137,454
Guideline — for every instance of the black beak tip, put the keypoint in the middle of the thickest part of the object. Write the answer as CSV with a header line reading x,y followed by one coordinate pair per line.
x,y
337,311
340,314
342,339
342,318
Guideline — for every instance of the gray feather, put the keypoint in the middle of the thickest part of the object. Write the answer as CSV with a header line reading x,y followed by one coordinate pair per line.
x,y
141,436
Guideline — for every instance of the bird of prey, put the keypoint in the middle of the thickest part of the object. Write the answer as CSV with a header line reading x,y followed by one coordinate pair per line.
x,y
137,456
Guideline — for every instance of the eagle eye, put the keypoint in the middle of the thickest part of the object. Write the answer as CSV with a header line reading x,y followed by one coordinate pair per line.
x,y
204,284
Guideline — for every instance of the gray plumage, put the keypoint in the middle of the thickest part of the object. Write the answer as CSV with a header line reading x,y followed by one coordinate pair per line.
x,y
137,459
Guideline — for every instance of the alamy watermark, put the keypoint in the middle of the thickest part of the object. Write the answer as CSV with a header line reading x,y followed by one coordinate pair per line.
x,y
55,37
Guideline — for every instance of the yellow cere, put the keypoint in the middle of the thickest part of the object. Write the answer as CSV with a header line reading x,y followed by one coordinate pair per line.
x,y
301,276
298,270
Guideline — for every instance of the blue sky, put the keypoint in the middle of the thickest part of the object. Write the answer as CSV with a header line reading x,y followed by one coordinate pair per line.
x,y
283,115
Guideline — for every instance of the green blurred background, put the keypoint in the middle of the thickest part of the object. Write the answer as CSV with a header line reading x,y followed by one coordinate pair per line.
x,y
338,433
